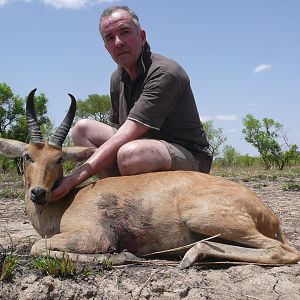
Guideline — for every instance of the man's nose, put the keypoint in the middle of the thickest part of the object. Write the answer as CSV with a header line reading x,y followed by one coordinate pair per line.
x,y
118,41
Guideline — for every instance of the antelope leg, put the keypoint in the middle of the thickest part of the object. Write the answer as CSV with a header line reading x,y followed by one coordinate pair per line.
x,y
274,255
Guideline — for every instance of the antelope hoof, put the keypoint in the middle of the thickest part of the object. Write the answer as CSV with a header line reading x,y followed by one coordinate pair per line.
x,y
191,256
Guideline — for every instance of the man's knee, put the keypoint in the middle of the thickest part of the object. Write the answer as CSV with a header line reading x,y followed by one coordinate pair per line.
x,y
143,156
78,132
91,133
128,157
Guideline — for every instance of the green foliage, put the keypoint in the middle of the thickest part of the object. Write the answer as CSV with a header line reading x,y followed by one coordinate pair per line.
x,y
69,166
13,120
260,185
291,156
63,267
291,186
214,136
229,155
231,158
68,142
264,137
6,164
8,267
11,109
8,261
106,263
246,160
94,107
12,114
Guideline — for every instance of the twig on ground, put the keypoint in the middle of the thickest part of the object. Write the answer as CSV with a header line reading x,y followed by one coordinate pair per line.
x,y
12,247
183,247
117,284
137,296
253,297
166,263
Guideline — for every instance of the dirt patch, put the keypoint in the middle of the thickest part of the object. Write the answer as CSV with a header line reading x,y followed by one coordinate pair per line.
x,y
159,281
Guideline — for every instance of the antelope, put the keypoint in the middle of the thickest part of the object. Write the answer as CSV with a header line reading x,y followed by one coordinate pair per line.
x,y
143,213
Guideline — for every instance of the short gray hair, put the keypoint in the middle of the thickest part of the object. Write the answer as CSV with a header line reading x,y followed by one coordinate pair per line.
x,y
109,11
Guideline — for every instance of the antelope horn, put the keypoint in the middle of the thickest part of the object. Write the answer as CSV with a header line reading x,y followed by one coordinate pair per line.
x,y
34,133
62,131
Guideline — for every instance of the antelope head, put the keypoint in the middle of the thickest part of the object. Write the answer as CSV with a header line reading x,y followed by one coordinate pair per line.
x,y
43,159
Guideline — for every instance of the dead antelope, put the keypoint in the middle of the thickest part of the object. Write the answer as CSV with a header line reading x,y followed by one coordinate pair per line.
x,y
142,213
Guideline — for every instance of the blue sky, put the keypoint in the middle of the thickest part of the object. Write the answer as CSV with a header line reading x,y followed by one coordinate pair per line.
x,y
242,56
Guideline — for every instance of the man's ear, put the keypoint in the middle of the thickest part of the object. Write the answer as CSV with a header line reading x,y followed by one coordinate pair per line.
x,y
143,36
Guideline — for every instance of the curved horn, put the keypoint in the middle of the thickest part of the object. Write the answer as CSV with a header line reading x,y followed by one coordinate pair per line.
x,y
62,131
34,133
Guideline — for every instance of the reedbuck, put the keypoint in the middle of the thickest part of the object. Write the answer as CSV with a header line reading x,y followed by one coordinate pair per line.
x,y
141,213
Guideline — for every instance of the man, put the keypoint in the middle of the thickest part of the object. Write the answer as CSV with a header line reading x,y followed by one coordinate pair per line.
x,y
152,105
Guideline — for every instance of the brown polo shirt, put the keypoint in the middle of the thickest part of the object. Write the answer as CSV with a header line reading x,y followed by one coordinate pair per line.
x,y
160,98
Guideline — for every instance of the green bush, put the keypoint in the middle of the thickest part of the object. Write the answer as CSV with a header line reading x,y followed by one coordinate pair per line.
x,y
8,267
291,186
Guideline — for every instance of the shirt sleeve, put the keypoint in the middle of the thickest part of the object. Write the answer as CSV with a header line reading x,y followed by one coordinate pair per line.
x,y
159,96
114,101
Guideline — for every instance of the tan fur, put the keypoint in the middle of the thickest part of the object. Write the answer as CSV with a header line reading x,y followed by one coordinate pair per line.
x,y
152,212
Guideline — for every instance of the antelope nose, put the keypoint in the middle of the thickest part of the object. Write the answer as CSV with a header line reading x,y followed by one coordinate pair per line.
x,y
38,195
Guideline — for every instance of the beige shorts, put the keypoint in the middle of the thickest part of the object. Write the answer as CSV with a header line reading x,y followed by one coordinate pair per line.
x,y
183,159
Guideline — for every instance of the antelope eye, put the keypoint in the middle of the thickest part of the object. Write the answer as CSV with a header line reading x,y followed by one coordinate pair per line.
x,y
28,158
60,160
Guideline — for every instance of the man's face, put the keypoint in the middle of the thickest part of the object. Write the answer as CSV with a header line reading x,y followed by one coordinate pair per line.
x,y
122,39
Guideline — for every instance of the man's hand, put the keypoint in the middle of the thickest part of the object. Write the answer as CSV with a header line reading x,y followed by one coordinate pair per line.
x,y
101,159
62,190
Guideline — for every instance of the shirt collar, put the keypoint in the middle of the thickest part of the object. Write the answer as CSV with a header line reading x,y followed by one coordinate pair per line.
x,y
143,64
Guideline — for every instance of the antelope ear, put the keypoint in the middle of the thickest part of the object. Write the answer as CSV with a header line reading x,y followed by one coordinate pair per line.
x,y
12,148
77,153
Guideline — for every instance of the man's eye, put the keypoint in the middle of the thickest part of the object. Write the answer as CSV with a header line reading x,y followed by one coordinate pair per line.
x,y
108,39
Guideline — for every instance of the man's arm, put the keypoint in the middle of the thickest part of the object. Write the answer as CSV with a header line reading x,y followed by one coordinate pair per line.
x,y
103,157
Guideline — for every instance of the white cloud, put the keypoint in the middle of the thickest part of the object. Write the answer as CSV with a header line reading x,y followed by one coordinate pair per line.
x,y
74,4
3,2
251,104
68,4
226,117
219,118
261,68
206,118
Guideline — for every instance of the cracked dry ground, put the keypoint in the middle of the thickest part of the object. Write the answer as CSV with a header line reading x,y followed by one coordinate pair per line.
x,y
161,281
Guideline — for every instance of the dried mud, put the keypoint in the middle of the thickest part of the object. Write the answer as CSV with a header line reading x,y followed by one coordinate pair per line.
x,y
153,281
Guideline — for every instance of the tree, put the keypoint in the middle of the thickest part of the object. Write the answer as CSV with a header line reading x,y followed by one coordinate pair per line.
x,y
11,109
264,136
18,130
13,119
94,107
230,155
214,136
292,155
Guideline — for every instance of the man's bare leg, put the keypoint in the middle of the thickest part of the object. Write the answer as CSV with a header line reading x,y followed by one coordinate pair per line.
x,y
136,157
143,156
91,133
